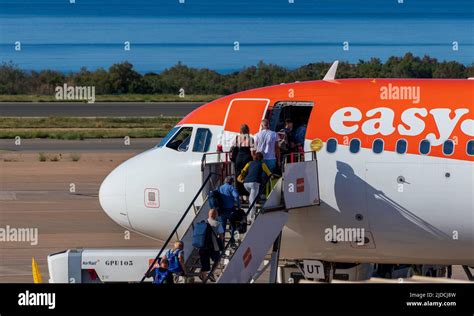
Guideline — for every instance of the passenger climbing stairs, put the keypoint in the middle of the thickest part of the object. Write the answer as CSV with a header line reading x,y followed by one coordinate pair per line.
x,y
242,258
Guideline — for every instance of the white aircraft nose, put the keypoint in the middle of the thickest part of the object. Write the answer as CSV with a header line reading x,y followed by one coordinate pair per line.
x,y
112,197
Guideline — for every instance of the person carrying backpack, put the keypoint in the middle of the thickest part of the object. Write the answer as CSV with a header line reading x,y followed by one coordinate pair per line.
x,y
215,200
208,237
161,274
230,202
242,152
175,258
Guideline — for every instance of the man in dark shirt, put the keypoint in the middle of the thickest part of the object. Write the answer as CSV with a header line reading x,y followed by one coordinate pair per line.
x,y
300,135
288,129
286,140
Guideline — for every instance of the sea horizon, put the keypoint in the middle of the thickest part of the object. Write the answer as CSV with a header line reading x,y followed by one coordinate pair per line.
x,y
67,37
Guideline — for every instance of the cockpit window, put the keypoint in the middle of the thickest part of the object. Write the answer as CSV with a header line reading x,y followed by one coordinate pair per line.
x,y
202,140
167,137
180,141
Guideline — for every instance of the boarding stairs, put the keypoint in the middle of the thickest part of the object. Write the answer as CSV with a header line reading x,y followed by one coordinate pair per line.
x,y
242,260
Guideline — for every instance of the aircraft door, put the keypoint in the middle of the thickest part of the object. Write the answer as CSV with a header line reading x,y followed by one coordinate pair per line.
x,y
301,183
250,111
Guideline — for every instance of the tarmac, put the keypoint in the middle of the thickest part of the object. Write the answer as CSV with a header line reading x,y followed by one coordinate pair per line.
x,y
86,145
37,195
97,109
60,200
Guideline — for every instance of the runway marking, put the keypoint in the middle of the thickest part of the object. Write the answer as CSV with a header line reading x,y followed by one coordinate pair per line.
x,y
7,196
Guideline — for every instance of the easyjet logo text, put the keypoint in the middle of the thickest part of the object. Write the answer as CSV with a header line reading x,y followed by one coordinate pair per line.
x,y
349,120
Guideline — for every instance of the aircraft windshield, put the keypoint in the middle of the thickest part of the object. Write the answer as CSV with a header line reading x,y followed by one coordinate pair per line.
x,y
167,137
181,139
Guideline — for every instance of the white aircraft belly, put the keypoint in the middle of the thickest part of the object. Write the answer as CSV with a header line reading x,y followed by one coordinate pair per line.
x,y
411,223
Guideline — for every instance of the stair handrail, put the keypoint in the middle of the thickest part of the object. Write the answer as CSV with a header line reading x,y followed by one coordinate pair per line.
x,y
214,265
219,158
296,157
150,268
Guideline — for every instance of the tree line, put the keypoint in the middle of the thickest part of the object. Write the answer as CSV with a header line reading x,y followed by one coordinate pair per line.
x,y
123,78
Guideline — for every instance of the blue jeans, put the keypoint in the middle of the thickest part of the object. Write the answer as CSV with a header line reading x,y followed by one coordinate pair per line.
x,y
224,218
271,164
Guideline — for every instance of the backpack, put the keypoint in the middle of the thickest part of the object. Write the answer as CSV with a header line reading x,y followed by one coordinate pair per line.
x,y
199,235
242,227
237,216
234,151
160,276
239,220
202,236
173,258
215,199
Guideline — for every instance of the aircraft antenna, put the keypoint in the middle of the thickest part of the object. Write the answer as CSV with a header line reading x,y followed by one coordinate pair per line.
x,y
331,74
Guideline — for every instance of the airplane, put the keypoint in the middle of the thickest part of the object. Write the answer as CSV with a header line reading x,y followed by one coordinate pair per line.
x,y
396,160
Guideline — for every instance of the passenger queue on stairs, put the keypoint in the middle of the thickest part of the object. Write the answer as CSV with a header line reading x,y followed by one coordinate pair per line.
x,y
255,160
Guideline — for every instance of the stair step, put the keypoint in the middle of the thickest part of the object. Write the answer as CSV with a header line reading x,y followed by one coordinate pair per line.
x,y
273,209
228,260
